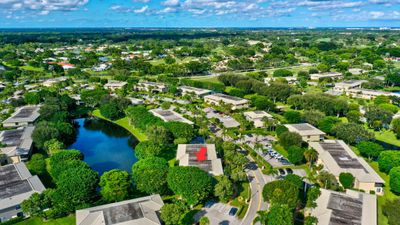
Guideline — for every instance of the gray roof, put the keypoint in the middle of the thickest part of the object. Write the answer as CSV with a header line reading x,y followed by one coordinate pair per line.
x,y
169,115
139,211
304,129
18,141
17,184
27,113
350,208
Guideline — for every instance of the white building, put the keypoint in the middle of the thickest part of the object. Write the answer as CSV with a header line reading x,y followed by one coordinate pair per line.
x,y
114,85
307,131
348,84
257,117
333,75
138,211
368,94
52,81
352,207
202,156
24,116
136,101
290,80
16,185
338,158
151,87
18,143
170,116
217,99
193,90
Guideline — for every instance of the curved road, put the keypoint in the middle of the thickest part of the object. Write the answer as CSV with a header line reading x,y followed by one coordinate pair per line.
x,y
257,183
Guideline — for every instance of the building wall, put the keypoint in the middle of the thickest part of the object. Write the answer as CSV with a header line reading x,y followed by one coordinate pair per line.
x,y
9,213
11,125
313,138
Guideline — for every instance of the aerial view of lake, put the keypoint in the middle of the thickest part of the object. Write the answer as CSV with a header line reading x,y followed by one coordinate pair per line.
x,y
105,146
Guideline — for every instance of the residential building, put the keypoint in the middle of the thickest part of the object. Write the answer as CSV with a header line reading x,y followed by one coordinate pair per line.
x,y
307,131
352,207
368,94
338,158
16,185
18,143
202,156
348,84
290,80
356,71
226,120
333,75
52,81
24,116
136,101
138,211
170,116
193,90
114,85
236,102
151,87
257,117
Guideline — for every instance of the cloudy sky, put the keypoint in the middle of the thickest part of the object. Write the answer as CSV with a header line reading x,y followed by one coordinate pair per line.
x,y
199,13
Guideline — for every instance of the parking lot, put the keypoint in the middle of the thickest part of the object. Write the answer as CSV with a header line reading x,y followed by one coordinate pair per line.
x,y
218,214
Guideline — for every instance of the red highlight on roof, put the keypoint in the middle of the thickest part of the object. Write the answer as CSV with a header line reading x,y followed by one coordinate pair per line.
x,y
201,155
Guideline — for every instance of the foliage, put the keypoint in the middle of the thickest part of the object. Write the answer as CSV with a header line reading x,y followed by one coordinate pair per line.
x,y
327,180
280,192
37,164
282,73
52,146
191,183
292,116
280,129
204,221
295,154
312,195
347,180
171,214
395,180
296,180
147,149
287,139
35,204
263,103
115,185
224,188
370,149
158,134
396,126
352,133
388,160
330,105
280,215
313,116
150,175
391,210
377,114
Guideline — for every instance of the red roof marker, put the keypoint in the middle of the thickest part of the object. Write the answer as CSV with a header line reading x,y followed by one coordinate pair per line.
x,y
202,154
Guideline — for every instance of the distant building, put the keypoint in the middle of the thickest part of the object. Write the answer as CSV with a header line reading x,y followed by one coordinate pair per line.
x,y
192,90
16,185
338,158
306,131
114,85
151,87
333,75
368,94
348,84
290,80
136,101
18,143
170,116
24,116
226,120
52,81
356,71
237,103
257,117
352,208
202,156
139,211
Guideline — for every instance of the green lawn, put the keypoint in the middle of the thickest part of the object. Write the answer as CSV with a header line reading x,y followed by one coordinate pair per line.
x,y
240,201
69,220
124,122
31,68
208,79
387,136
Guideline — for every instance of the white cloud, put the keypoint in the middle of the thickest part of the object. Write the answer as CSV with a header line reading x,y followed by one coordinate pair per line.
x,y
43,7
171,3
141,10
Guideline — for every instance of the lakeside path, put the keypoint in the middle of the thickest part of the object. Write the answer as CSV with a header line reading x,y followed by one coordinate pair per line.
x,y
124,122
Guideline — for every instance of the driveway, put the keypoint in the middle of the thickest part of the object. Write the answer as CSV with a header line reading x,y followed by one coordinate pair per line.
x,y
218,214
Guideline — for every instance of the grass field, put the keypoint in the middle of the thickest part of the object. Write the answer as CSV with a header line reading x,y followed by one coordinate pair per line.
x,y
207,79
387,136
69,220
124,122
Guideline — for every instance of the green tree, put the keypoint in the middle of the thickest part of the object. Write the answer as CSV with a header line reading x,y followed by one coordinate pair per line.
x,y
287,139
347,180
35,204
396,126
158,134
115,185
352,133
280,129
171,214
292,116
374,114
281,192
191,183
313,116
280,215
32,98
165,105
395,179
53,146
43,132
37,164
370,149
388,160
312,195
150,175
282,73
311,155
310,220
204,221
391,210
296,180
327,180
110,110
147,149
224,188
295,154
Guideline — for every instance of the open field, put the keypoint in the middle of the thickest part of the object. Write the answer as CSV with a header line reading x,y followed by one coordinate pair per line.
x,y
69,220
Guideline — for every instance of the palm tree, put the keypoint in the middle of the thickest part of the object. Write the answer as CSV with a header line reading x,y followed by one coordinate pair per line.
x,y
262,217
311,156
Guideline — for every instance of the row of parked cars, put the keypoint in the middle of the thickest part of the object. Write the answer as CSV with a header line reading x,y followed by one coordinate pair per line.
x,y
275,154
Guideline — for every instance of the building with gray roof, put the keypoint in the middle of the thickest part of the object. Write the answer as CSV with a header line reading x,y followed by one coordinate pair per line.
x,y
18,143
307,131
170,116
151,87
139,211
22,117
337,158
350,208
16,185
236,102
193,90
202,156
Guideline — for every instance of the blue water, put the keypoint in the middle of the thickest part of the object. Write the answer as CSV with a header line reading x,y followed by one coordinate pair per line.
x,y
105,146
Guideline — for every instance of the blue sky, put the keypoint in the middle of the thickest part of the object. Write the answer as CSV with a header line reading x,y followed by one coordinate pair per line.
x,y
199,13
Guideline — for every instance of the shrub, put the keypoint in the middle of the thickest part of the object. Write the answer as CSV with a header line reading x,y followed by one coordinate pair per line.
x,y
347,180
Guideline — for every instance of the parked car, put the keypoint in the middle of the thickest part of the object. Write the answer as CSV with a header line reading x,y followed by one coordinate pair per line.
x,y
289,171
282,172
233,211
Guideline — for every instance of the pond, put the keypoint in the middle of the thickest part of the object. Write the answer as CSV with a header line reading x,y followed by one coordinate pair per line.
x,y
105,146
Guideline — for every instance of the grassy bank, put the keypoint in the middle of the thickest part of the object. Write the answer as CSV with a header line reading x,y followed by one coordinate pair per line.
x,y
69,220
124,122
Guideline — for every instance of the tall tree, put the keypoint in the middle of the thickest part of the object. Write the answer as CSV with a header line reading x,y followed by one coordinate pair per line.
x,y
115,185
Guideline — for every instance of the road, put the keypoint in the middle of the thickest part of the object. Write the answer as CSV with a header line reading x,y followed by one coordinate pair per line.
x,y
257,183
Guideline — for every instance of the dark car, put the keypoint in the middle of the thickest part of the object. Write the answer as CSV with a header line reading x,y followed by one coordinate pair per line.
x,y
209,204
233,211
289,171
282,172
